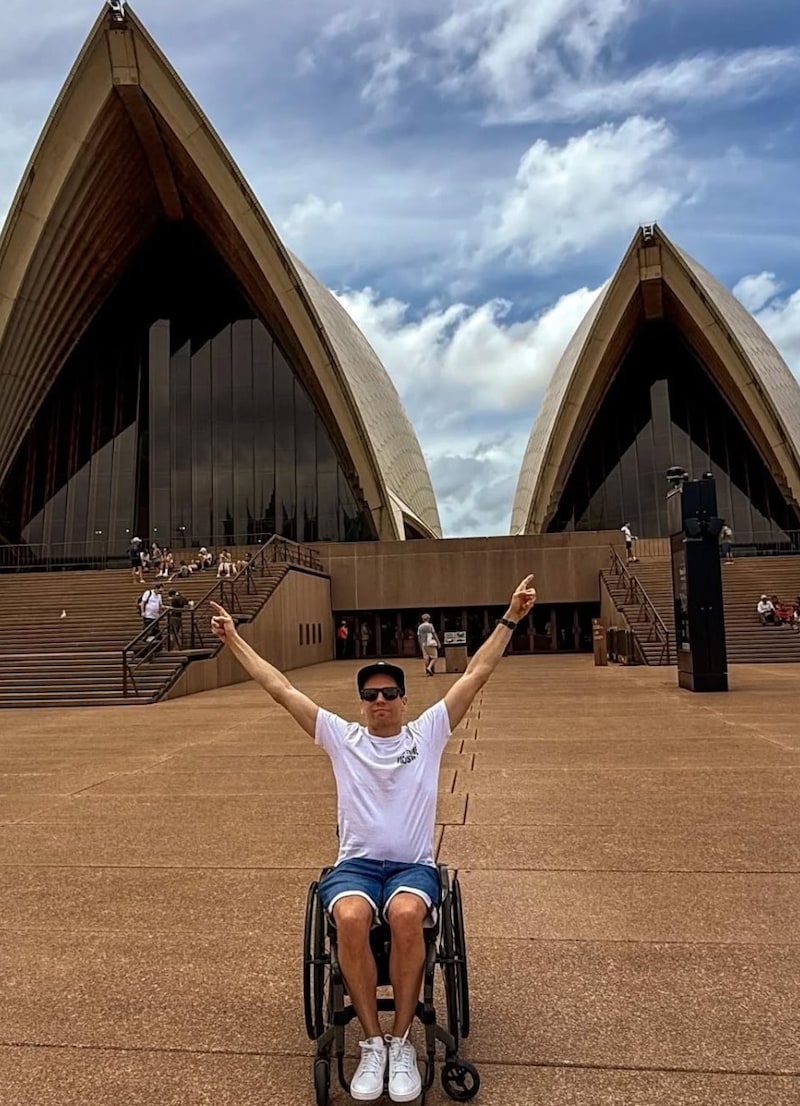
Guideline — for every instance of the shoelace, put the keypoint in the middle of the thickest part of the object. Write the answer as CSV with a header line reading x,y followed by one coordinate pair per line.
x,y
403,1055
371,1057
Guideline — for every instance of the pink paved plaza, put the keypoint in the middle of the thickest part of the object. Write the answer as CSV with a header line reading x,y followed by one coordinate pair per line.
x,y
629,856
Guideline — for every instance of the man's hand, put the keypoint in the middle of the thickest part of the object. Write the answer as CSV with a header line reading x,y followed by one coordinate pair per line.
x,y
460,695
222,625
522,600
301,708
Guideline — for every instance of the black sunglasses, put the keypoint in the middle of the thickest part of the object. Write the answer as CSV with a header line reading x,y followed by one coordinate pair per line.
x,y
370,694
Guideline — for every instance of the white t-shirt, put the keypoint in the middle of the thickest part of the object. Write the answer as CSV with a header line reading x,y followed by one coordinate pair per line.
x,y
626,530
426,635
152,604
387,786
764,605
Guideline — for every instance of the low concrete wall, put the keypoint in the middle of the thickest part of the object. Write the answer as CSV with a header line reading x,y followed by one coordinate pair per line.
x,y
293,629
651,547
610,615
452,572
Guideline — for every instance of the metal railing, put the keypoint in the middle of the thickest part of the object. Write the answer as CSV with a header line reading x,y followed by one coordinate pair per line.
x,y
178,630
766,544
50,557
102,553
634,595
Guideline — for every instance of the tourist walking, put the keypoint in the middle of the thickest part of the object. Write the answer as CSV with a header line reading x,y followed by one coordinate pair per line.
x,y
175,619
629,540
135,558
151,604
428,643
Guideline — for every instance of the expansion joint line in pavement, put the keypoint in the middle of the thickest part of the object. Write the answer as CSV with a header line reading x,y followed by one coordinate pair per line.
x,y
158,761
552,1065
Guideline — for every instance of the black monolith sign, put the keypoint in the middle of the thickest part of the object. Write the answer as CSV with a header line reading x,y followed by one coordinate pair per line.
x,y
697,586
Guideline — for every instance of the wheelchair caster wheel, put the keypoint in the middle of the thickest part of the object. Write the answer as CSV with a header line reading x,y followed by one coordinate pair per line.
x,y
322,1081
460,1080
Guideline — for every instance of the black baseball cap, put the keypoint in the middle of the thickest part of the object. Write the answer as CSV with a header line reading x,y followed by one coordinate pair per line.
x,y
381,668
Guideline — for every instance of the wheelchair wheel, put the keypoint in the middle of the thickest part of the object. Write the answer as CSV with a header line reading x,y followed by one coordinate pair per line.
x,y
460,943
322,1081
460,1080
449,964
315,965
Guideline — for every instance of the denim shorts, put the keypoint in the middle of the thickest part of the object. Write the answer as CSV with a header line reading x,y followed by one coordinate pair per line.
x,y
378,881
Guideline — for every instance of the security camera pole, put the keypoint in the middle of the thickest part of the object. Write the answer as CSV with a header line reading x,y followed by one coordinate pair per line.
x,y
694,528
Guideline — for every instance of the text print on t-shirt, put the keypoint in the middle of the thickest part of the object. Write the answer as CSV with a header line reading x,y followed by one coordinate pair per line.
x,y
409,755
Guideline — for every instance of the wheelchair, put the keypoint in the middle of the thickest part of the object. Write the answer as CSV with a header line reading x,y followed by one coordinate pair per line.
x,y
324,993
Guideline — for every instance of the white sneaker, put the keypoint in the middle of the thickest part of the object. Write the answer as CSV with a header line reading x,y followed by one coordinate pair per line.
x,y
367,1083
405,1083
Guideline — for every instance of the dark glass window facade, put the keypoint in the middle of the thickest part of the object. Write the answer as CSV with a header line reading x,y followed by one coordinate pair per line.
x,y
663,409
179,418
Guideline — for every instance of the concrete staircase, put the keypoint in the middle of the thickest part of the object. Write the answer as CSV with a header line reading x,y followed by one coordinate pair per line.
x,y
654,645
47,660
743,582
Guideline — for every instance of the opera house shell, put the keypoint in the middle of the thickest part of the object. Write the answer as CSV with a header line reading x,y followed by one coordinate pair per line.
x,y
666,369
167,367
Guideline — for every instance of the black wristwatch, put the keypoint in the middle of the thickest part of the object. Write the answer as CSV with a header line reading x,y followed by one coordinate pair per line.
x,y
507,622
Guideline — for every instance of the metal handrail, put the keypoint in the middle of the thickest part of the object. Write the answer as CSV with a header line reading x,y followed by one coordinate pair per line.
x,y
636,594
33,557
103,553
139,650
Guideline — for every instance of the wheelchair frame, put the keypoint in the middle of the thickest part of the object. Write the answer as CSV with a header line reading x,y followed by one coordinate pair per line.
x,y
324,991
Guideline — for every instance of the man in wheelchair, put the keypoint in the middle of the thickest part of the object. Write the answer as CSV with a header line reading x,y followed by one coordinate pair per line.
x,y
386,771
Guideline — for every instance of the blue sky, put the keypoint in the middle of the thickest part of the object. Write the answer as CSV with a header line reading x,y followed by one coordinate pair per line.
x,y
466,174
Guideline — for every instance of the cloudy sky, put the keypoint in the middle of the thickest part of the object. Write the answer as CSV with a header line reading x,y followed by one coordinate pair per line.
x,y
465,174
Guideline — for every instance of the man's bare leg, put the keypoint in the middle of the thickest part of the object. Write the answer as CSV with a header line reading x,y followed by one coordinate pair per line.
x,y
353,916
407,960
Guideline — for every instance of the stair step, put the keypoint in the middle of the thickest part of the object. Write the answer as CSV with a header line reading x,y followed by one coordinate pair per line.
x,y
746,640
77,661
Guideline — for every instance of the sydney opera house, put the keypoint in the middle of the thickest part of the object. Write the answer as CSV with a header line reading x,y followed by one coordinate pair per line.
x,y
169,369
666,369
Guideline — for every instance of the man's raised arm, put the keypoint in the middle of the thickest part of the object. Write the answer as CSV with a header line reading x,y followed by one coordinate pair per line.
x,y
302,709
459,698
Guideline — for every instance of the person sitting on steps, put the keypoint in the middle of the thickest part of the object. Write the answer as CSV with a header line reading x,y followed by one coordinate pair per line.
x,y
766,611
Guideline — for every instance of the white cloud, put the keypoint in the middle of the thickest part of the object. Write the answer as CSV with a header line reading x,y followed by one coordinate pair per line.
x,y
389,60
699,79
343,24
568,198
475,489
311,214
559,60
468,359
306,61
756,290
781,320
465,373
510,48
